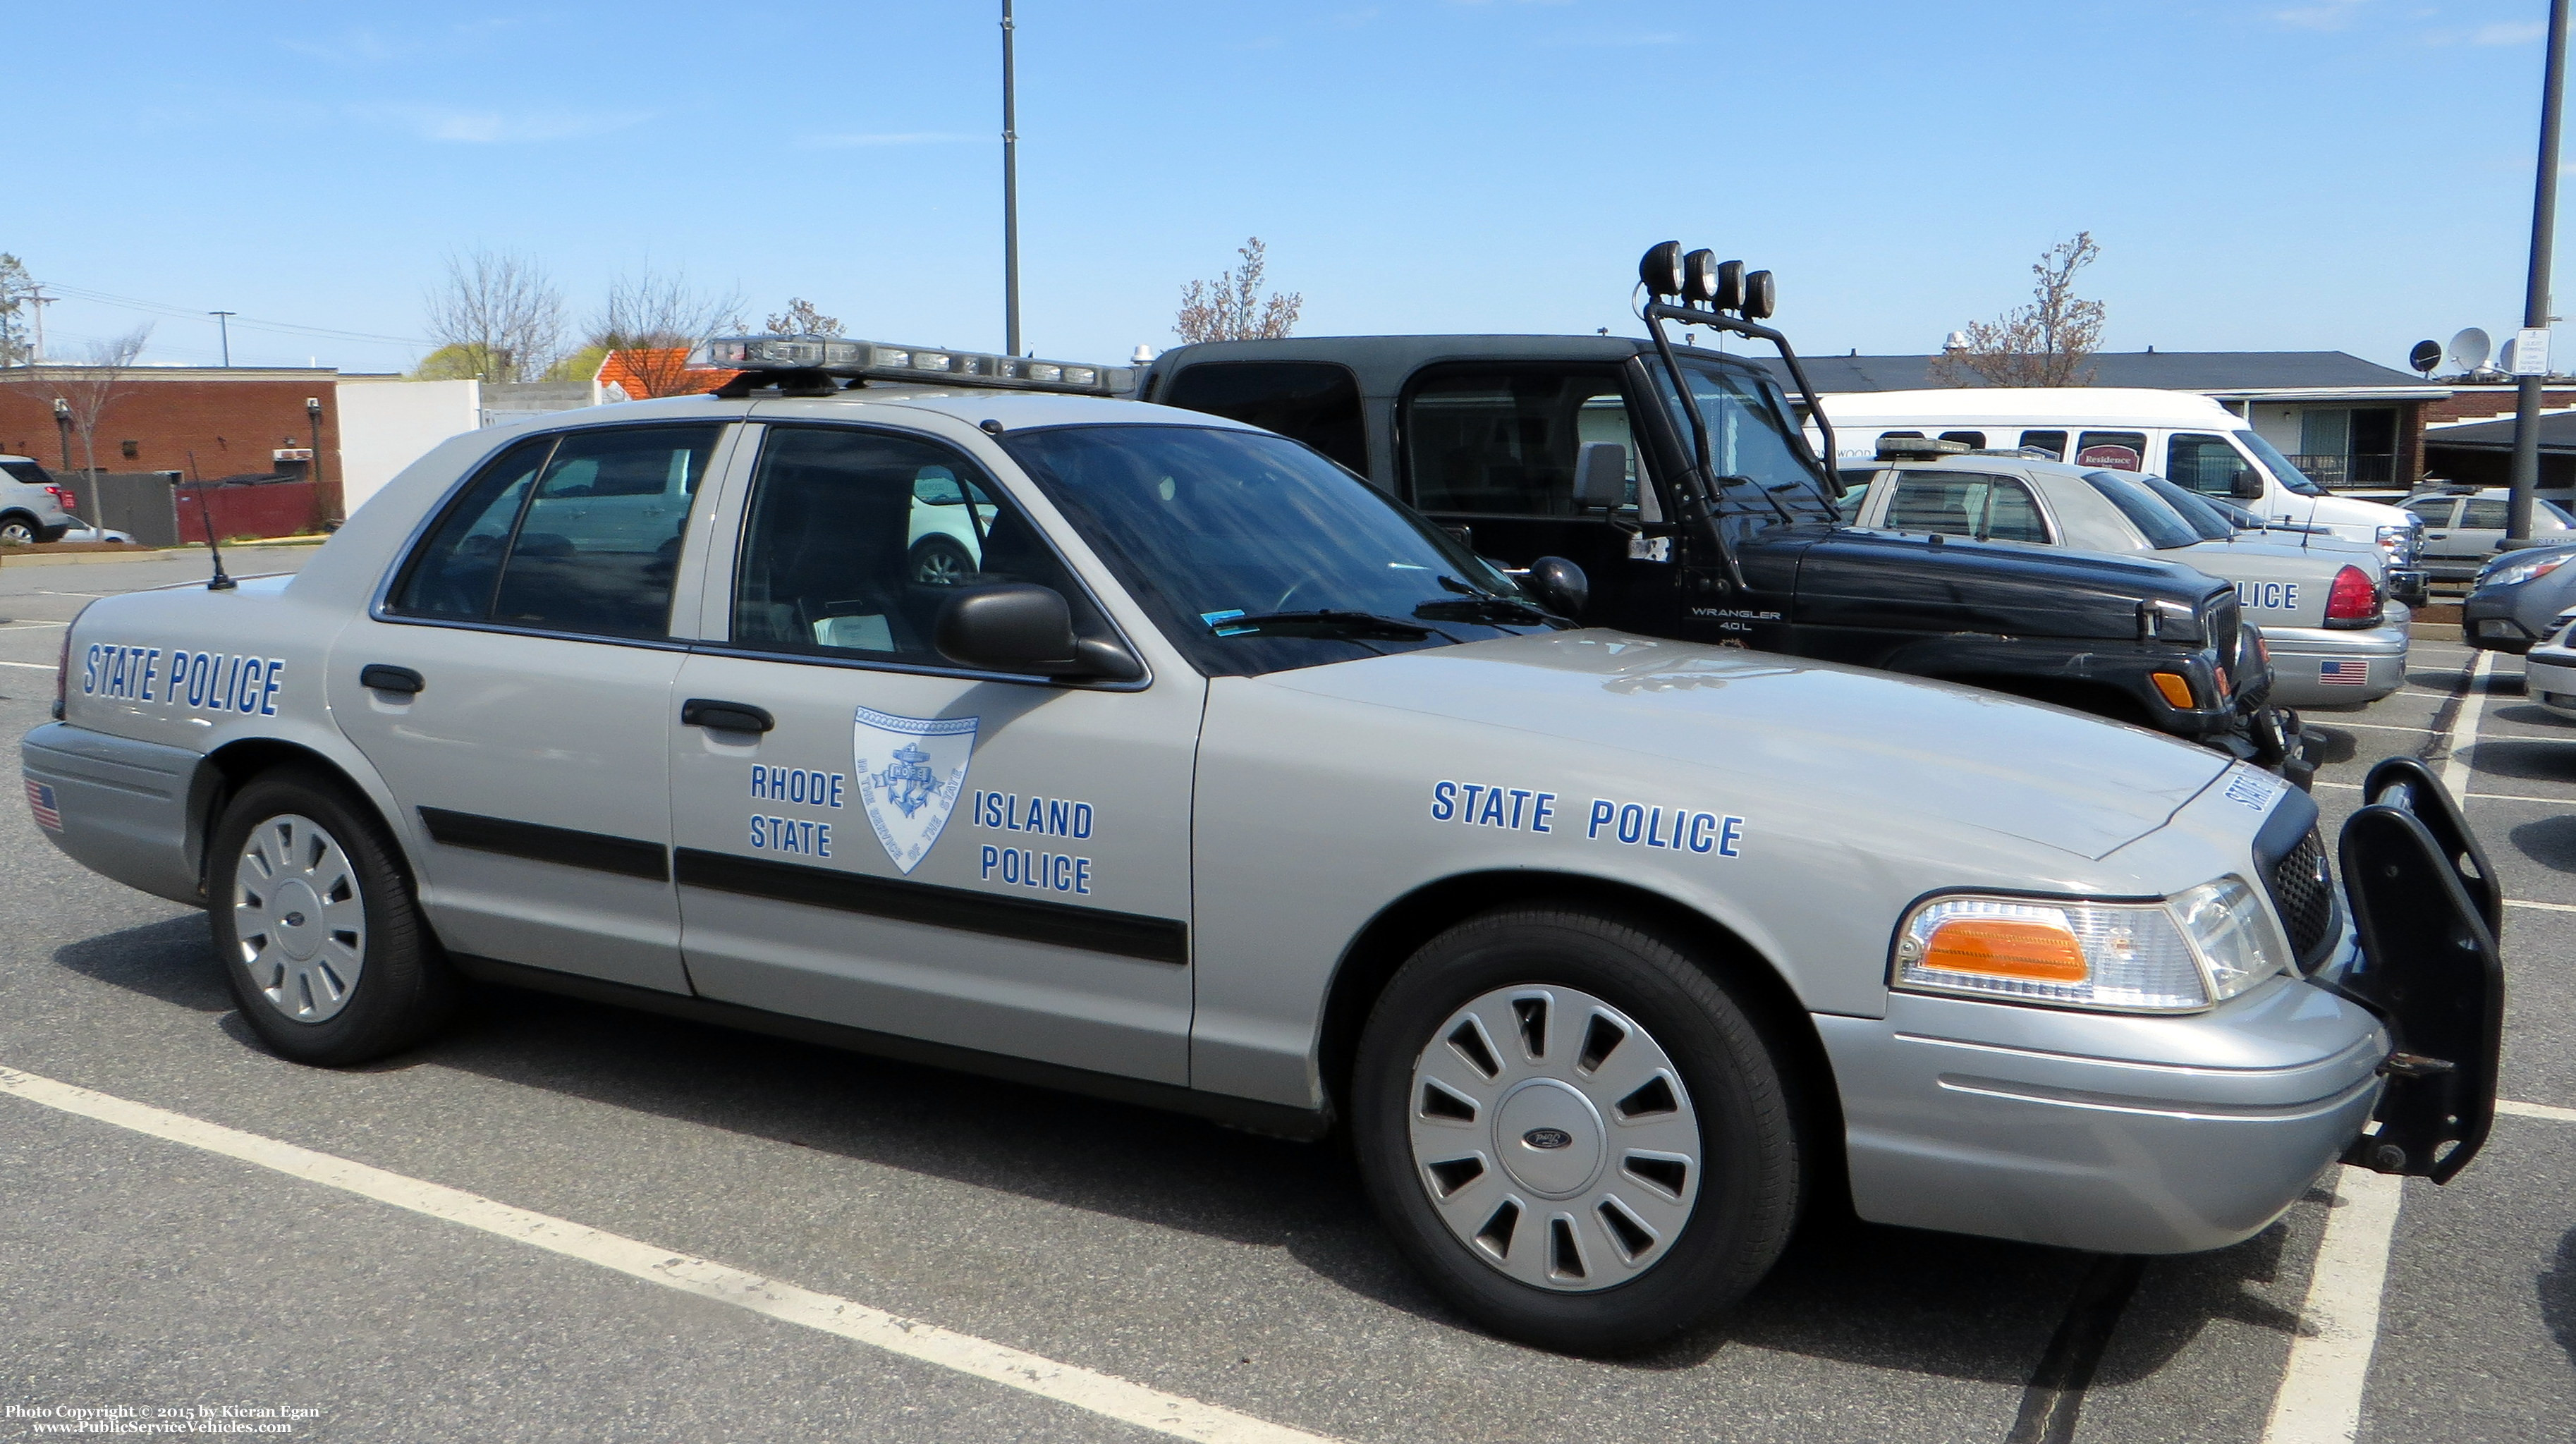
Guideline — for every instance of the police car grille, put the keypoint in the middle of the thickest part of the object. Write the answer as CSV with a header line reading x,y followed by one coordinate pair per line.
x,y
2306,900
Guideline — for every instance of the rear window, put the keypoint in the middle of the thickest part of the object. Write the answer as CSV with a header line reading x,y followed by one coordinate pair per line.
x,y
26,471
1316,402
2153,519
2052,442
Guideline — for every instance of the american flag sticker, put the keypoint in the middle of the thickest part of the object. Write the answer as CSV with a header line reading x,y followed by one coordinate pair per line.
x,y
2352,672
40,799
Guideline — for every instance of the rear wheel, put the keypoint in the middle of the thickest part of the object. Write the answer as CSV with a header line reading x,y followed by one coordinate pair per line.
x,y
938,561
1573,1131
18,530
316,926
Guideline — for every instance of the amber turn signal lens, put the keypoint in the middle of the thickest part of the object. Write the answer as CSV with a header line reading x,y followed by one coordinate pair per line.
x,y
2002,947
2175,686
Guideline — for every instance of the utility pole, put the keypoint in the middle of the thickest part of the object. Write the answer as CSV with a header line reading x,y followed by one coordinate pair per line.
x,y
224,329
37,298
1010,196
2533,371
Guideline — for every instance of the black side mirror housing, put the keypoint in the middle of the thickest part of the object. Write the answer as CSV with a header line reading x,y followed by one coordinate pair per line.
x,y
2248,486
1560,585
1022,627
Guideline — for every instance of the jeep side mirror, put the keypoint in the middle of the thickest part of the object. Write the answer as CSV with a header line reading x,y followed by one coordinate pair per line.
x,y
1601,476
1560,585
2248,485
1022,627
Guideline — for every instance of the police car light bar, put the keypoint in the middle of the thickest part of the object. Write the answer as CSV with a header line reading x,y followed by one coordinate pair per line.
x,y
875,361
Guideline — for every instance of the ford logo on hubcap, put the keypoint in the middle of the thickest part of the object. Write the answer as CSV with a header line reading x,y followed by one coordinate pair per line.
x,y
295,920
1547,1138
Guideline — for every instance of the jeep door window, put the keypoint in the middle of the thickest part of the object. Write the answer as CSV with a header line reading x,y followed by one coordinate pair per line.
x,y
1953,503
2283,471
834,547
2205,463
2157,522
2119,450
1253,554
575,533
1503,442
1316,402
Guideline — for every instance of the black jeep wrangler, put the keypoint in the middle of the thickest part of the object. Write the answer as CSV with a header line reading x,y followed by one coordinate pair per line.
x,y
1717,522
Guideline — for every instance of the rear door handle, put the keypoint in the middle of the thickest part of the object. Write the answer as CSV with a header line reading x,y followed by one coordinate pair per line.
x,y
381,677
725,716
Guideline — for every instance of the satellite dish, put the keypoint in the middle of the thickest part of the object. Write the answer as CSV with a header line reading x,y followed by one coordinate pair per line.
x,y
2504,357
2470,349
2425,356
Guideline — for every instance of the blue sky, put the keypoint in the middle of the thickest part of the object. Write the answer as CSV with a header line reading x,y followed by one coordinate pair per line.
x,y
2331,174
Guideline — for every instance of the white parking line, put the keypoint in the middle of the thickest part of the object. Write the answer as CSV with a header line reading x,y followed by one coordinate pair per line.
x,y
2515,902
2320,1397
2536,1110
1102,1394
2464,728
39,666
2481,796
2364,726
30,626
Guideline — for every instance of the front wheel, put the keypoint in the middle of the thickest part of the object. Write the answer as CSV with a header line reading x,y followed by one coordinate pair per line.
x,y
1572,1130
316,926
938,561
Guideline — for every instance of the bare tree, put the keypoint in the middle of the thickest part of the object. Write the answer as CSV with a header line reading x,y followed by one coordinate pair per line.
x,y
500,312
803,318
91,387
1232,308
656,319
2046,343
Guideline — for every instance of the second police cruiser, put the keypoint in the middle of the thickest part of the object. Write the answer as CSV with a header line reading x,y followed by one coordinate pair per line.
x,y
1223,782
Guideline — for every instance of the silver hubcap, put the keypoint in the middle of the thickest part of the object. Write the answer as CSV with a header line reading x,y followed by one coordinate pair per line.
x,y
18,532
940,568
299,917
1554,1138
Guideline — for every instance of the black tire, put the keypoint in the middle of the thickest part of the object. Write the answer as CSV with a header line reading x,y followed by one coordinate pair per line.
x,y
1745,1207
938,561
404,987
19,529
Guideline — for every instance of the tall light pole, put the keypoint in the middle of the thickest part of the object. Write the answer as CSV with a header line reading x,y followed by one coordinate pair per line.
x,y
223,329
1010,196
2534,371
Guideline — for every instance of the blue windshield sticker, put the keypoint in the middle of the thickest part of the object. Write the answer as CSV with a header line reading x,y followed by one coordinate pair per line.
x,y
1212,618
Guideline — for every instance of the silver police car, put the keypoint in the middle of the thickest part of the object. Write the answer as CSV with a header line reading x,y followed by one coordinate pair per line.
x,y
1223,782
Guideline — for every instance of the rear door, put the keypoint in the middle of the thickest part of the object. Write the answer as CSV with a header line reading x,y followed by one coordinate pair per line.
x,y
870,835
1490,449
2438,513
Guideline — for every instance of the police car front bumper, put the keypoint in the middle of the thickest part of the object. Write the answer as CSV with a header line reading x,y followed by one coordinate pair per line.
x,y
2322,667
2096,1131
2550,678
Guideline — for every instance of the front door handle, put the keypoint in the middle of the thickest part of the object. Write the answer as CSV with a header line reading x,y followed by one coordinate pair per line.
x,y
725,716
382,677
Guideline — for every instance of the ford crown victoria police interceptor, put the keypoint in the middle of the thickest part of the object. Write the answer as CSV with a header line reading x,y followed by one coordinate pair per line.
x,y
1226,783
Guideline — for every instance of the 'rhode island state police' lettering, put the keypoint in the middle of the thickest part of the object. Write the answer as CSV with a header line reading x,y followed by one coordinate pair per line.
x,y
193,681
1636,824
791,834
1046,816
1481,804
796,784
2269,596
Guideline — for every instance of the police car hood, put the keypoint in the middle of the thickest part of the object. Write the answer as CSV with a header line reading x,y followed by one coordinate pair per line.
x,y
1964,756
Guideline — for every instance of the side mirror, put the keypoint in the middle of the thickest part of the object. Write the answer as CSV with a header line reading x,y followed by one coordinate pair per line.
x,y
1601,476
1560,585
2248,486
1021,627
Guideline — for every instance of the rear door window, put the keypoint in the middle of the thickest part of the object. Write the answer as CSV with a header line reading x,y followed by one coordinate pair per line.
x,y
2052,442
2436,511
1966,438
2485,513
2118,450
1504,442
1316,402
1988,508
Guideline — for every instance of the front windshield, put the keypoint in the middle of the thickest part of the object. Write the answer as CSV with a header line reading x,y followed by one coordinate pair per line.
x,y
1751,441
2279,465
2156,521
1254,554
2197,513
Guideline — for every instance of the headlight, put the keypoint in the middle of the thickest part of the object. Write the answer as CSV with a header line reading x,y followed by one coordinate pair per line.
x,y
2185,953
2516,573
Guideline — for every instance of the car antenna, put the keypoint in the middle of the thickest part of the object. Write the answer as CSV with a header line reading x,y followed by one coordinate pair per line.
x,y
205,518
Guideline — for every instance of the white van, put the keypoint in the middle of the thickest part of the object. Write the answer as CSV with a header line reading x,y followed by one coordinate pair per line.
x,y
2179,435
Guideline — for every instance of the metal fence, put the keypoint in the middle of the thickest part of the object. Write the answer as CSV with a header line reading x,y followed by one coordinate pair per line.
x,y
2348,470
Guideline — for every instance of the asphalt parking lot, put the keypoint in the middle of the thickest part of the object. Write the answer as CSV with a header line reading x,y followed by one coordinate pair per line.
x,y
147,1267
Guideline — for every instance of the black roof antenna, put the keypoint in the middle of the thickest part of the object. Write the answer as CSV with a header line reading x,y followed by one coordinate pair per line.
x,y
218,582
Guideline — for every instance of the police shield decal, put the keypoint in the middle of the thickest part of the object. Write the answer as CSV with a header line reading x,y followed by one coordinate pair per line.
x,y
910,772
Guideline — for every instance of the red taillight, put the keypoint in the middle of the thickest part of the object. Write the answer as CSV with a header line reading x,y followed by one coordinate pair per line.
x,y
64,498
2354,598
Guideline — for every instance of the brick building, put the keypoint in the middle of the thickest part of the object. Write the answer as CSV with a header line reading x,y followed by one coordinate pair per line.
x,y
237,421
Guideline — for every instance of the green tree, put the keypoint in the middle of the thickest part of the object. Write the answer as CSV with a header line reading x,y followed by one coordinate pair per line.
x,y
15,286
455,362
582,365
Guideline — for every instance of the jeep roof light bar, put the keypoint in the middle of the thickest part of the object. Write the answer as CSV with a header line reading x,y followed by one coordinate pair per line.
x,y
1723,296
816,365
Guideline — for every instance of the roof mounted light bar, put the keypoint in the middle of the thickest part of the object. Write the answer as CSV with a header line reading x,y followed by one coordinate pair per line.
x,y
1920,448
836,356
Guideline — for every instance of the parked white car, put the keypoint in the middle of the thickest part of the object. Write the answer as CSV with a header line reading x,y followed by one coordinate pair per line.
x,y
2462,527
2335,638
2178,434
33,507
